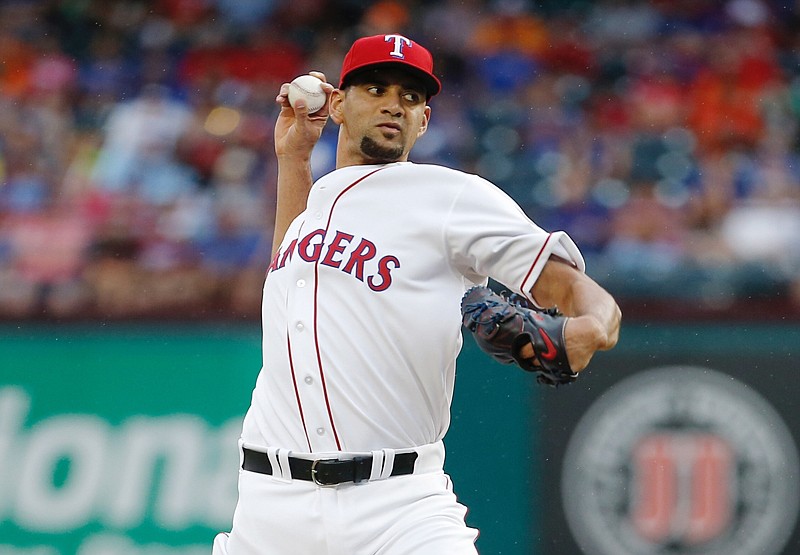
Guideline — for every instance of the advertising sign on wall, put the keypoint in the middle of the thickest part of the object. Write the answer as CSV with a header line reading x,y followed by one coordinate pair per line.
x,y
120,443
122,440
682,442
681,458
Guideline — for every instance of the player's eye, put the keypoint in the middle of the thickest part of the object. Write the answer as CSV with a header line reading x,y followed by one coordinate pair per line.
x,y
412,97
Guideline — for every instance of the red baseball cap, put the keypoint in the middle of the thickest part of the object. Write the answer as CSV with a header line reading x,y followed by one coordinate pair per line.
x,y
381,50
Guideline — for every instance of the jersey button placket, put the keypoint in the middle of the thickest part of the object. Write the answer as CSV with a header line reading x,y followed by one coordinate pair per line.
x,y
301,311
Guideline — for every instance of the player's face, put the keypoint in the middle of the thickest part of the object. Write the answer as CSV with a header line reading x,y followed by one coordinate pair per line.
x,y
382,115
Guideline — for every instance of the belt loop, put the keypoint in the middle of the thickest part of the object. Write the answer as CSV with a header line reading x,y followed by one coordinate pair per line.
x,y
388,463
279,459
283,458
377,465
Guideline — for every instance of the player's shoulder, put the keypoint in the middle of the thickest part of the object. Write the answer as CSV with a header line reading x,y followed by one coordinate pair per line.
x,y
428,168
442,174
450,183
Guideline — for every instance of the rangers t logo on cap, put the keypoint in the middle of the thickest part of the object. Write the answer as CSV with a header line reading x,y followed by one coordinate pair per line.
x,y
399,41
382,50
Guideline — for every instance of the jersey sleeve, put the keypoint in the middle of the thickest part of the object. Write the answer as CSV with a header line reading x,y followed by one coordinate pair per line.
x,y
487,234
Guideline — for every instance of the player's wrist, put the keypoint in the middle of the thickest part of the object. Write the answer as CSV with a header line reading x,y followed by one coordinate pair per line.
x,y
589,330
295,157
603,337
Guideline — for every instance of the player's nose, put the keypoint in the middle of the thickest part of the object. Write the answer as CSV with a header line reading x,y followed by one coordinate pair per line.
x,y
393,101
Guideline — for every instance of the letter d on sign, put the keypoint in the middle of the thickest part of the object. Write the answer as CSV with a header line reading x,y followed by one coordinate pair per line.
x,y
81,441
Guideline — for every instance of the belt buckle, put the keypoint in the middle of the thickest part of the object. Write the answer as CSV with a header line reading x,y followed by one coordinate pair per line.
x,y
314,475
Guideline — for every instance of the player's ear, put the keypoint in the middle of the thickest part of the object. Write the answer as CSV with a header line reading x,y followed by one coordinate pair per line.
x,y
336,106
426,118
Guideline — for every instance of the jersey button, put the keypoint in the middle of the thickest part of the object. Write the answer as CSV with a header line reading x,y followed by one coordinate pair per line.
x,y
309,380
320,431
318,215
301,283
299,326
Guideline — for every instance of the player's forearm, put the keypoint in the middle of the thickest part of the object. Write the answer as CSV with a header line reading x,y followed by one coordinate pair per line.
x,y
594,322
590,302
294,183
296,133
581,298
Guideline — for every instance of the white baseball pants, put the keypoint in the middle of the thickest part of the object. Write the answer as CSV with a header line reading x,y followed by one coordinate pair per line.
x,y
417,514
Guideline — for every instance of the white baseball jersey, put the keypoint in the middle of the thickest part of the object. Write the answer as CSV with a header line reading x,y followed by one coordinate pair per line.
x,y
361,307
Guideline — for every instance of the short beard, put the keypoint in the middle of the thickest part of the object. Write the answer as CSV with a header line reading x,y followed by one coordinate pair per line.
x,y
376,152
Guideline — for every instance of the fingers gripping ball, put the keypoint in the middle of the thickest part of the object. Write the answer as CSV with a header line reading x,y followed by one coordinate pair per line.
x,y
310,89
502,326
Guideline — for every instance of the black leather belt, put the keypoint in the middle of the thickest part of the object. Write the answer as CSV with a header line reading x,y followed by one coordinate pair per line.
x,y
328,472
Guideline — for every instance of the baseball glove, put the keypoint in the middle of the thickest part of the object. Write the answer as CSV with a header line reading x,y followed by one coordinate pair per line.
x,y
502,326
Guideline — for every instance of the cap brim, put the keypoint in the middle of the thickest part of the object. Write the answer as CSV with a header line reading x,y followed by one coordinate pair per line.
x,y
431,83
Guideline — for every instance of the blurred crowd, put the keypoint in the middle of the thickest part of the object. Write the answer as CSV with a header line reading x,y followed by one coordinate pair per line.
x,y
137,174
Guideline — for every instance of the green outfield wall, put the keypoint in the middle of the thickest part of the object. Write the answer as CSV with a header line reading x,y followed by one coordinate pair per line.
x,y
120,439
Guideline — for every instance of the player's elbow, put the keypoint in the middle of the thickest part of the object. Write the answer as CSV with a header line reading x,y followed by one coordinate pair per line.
x,y
614,323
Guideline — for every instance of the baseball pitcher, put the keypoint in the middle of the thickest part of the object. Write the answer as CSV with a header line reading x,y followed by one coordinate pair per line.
x,y
376,270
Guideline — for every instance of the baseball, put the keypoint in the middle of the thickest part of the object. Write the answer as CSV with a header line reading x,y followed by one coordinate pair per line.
x,y
309,88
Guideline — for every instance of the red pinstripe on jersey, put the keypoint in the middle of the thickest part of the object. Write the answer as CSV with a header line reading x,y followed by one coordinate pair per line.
x,y
535,261
296,390
316,312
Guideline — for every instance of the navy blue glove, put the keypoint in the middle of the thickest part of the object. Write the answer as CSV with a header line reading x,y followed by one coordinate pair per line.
x,y
502,326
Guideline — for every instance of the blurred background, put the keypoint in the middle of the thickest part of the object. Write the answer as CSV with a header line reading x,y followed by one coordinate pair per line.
x,y
136,155
137,183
